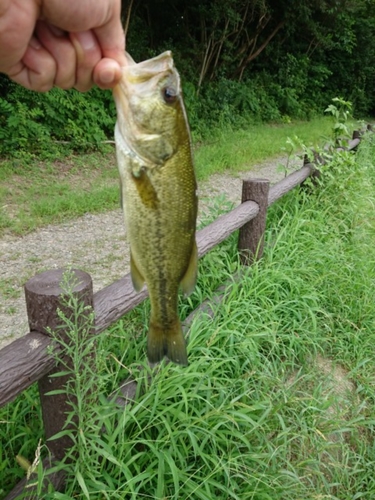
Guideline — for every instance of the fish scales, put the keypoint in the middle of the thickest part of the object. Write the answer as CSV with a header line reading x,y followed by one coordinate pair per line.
x,y
159,195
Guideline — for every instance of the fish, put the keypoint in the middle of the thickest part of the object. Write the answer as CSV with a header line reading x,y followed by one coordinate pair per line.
x,y
159,195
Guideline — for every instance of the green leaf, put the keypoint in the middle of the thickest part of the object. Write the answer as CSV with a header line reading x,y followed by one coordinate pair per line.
x,y
82,484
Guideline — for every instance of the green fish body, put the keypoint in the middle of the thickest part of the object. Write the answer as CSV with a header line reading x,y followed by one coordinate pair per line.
x,y
159,198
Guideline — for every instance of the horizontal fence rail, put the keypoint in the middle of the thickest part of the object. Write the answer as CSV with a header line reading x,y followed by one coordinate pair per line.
x,y
33,357
29,358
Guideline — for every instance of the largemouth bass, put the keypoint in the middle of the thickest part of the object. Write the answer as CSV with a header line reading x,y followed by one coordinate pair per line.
x,y
159,198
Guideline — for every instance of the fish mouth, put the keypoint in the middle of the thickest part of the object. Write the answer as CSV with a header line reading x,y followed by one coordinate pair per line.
x,y
143,73
146,70
140,79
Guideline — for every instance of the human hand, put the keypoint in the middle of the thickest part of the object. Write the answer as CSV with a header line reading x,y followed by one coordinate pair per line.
x,y
62,43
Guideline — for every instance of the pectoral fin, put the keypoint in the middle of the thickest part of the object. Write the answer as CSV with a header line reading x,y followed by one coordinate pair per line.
x,y
190,278
137,278
145,189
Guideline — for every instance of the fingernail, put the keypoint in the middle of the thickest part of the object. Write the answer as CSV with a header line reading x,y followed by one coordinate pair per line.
x,y
86,39
107,75
34,43
56,31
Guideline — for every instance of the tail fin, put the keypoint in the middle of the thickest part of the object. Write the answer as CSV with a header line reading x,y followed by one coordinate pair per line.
x,y
168,342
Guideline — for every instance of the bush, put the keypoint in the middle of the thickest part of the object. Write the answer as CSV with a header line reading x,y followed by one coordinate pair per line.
x,y
39,123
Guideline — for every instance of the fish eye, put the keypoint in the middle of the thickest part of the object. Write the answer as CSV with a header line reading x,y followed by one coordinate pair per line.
x,y
169,95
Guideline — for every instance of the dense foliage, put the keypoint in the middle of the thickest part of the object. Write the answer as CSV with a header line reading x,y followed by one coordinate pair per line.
x,y
265,58
241,61
41,123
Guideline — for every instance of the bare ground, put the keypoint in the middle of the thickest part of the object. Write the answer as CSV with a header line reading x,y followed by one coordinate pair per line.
x,y
94,243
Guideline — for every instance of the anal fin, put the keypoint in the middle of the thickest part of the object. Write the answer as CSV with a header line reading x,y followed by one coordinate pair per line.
x,y
137,278
189,280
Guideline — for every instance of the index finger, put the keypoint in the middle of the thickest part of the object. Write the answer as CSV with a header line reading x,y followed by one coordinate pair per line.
x,y
111,37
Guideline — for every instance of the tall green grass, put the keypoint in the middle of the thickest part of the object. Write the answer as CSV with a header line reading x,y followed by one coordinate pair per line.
x,y
277,402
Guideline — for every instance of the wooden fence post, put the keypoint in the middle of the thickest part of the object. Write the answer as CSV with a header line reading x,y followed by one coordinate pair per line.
x,y
43,300
356,134
251,237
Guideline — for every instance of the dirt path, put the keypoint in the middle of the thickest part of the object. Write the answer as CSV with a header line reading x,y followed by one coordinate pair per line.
x,y
94,243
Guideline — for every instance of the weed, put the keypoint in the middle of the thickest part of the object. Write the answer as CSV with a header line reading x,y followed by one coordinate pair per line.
x,y
341,113
8,289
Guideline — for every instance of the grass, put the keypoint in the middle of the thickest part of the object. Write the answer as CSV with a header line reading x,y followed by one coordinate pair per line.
x,y
40,193
239,150
37,193
278,399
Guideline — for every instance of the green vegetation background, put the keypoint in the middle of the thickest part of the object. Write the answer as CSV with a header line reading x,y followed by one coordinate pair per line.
x,y
241,62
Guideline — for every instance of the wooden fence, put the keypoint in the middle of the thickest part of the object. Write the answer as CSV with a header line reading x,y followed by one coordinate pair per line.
x,y
32,358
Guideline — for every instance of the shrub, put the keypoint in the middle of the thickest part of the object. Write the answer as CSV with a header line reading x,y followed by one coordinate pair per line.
x,y
44,123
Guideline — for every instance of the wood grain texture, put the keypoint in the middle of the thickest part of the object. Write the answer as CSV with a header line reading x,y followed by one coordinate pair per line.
x,y
43,297
224,226
44,303
251,235
115,300
289,183
23,362
27,359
